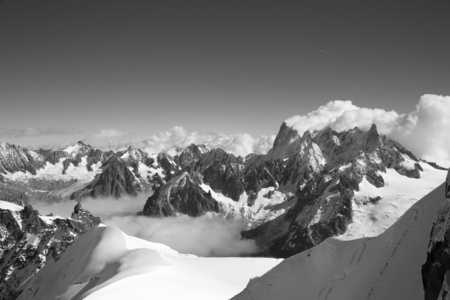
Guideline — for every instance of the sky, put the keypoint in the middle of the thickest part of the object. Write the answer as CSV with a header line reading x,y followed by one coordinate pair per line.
x,y
90,69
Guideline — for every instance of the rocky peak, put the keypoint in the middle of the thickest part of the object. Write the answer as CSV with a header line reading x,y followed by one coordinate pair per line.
x,y
286,143
84,216
115,180
189,156
180,195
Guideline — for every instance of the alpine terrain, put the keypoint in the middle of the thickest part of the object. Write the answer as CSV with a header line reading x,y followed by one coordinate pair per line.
x,y
339,206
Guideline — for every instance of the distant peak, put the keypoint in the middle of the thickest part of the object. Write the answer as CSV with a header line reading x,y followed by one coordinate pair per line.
x,y
373,128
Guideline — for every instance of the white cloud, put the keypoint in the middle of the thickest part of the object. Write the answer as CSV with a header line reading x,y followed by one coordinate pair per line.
x,y
207,235
425,131
238,144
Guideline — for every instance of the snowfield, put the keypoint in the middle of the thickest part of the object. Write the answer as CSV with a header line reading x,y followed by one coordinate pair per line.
x,y
384,267
397,196
105,264
265,208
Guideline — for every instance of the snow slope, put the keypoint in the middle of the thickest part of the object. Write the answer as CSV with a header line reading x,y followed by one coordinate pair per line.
x,y
397,196
105,263
384,267
53,172
265,208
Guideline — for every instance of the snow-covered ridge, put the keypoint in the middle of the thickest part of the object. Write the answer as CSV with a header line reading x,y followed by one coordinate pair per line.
x,y
107,264
10,206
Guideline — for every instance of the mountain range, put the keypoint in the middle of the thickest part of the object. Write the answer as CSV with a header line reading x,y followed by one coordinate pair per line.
x,y
310,193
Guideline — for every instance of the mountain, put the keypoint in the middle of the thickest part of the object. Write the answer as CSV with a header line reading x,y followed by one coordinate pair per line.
x,y
305,189
114,180
336,175
181,193
202,180
28,240
75,172
105,263
388,266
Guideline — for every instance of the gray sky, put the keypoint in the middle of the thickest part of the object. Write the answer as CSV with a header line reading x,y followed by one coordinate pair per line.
x,y
71,68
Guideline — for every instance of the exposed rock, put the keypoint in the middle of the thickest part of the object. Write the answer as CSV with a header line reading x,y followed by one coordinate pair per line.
x,y
374,178
16,159
28,240
286,144
115,180
436,269
180,195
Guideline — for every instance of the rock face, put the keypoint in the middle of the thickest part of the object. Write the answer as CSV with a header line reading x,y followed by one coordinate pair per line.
x,y
115,180
15,159
436,269
180,194
28,240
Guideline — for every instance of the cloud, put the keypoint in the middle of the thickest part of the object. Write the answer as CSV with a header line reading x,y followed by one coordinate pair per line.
x,y
238,144
425,131
207,235
108,133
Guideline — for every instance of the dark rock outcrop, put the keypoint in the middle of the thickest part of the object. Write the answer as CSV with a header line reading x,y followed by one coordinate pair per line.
x,y
181,195
115,180
436,269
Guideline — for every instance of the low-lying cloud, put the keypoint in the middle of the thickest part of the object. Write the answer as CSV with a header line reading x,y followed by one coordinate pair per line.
x,y
425,131
208,235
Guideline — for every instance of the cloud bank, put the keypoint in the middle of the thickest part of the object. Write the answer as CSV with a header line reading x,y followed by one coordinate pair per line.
x,y
239,144
425,131
207,235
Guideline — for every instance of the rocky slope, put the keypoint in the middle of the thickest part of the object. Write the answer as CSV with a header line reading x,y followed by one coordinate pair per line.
x,y
28,240
180,194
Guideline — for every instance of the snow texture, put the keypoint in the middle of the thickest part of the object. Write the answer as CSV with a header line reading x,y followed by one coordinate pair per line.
x,y
384,267
105,263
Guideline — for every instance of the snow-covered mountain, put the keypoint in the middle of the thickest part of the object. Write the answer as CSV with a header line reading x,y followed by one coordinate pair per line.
x,y
28,240
306,189
388,266
340,179
75,172
350,185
